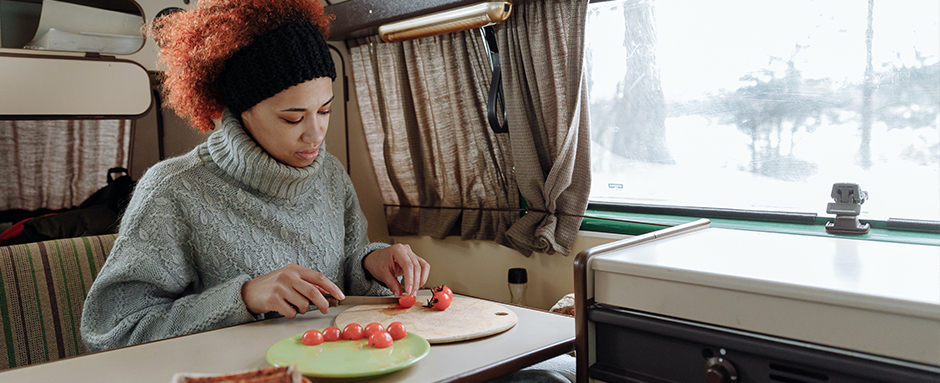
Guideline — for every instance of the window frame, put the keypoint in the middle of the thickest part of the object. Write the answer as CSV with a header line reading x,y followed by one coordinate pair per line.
x,y
638,219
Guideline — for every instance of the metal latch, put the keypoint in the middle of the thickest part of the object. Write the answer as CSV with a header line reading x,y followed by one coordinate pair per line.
x,y
848,198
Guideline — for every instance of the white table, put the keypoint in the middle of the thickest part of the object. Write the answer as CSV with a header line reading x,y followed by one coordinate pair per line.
x,y
538,336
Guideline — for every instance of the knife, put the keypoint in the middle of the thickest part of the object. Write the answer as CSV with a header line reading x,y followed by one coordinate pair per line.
x,y
352,300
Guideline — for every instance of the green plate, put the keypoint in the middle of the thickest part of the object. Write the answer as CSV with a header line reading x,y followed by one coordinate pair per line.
x,y
347,358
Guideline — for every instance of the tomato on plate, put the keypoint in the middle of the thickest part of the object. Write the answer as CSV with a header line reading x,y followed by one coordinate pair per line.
x,y
441,300
312,338
407,301
380,339
332,334
372,328
397,330
353,331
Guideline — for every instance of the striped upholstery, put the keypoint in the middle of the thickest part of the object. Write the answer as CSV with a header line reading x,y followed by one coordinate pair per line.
x,y
42,290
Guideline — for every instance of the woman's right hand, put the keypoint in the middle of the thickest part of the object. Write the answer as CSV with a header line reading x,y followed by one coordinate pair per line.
x,y
289,290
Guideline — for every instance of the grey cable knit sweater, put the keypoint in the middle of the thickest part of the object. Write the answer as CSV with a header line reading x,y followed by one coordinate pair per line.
x,y
201,225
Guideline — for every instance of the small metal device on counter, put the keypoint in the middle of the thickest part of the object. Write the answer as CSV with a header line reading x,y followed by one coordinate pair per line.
x,y
848,198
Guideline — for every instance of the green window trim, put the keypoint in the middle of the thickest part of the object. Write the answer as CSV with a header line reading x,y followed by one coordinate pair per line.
x,y
637,223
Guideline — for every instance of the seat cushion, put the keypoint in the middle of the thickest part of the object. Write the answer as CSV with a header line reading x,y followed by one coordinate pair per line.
x,y
42,291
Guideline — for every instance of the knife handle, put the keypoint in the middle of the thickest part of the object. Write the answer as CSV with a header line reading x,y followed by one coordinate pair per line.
x,y
332,301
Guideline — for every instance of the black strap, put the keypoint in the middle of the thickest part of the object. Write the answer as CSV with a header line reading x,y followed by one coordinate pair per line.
x,y
496,86
116,171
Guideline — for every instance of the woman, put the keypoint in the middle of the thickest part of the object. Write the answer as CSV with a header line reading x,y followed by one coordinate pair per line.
x,y
257,219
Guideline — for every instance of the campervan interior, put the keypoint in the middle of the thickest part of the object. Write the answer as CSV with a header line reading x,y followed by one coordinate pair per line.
x,y
677,205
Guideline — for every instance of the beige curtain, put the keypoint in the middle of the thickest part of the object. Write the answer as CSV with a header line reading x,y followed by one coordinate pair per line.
x,y
441,170
542,49
58,164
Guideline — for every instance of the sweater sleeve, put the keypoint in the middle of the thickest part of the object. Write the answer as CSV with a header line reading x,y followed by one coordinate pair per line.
x,y
147,288
357,247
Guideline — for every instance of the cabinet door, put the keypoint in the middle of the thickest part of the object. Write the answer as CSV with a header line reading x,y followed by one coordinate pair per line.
x,y
61,87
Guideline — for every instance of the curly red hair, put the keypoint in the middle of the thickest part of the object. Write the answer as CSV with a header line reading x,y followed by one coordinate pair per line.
x,y
195,44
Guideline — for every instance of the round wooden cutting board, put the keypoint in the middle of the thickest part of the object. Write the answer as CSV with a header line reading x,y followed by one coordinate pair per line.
x,y
466,318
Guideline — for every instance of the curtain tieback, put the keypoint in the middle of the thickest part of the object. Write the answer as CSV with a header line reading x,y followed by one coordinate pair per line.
x,y
496,86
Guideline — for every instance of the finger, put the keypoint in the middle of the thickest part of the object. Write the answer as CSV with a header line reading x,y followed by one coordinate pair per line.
x,y
391,281
286,310
406,265
322,304
416,283
298,300
425,271
323,283
421,270
312,294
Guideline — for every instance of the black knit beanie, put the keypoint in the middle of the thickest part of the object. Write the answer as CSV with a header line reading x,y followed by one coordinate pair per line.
x,y
289,55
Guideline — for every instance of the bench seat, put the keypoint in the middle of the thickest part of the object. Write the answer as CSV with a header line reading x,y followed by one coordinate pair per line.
x,y
42,291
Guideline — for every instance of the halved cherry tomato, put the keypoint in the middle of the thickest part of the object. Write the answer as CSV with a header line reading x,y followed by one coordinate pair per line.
x,y
312,338
380,339
353,331
332,334
444,289
441,300
372,328
397,330
406,301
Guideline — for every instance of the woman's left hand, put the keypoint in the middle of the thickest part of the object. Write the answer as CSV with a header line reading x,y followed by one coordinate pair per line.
x,y
398,260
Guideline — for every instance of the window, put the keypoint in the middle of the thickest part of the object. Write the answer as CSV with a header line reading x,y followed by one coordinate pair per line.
x,y
765,105
57,164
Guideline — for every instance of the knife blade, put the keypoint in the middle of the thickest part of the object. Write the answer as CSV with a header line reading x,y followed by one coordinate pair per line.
x,y
352,300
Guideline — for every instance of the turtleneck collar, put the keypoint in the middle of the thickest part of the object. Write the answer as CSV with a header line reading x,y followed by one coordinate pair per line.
x,y
236,153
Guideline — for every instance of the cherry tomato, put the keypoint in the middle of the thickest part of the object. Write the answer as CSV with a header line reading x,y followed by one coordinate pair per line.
x,y
397,330
380,339
353,331
441,300
372,328
332,334
312,338
407,301
444,289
